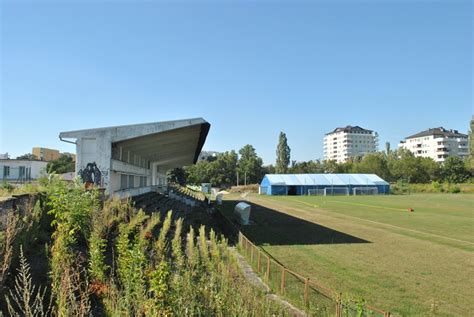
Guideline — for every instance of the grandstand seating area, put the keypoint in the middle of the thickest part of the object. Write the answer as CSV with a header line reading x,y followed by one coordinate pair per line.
x,y
193,214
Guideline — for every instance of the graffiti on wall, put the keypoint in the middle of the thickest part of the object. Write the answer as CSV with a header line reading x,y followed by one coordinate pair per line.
x,y
91,174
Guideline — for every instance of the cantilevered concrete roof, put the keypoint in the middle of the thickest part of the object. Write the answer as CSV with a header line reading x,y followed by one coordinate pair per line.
x,y
170,143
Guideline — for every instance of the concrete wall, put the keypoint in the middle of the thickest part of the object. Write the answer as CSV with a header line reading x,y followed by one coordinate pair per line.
x,y
18,203
99,151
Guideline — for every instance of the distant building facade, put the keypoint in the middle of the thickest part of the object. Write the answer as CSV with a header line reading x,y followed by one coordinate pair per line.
x,y
437,143
18,171
45,154
348,142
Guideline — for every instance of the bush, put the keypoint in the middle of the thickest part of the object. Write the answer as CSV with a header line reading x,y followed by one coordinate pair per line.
x,y
454,189
118,261
400,187
7,187
437,187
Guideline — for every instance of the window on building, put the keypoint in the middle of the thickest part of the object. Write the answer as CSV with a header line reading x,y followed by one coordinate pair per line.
x,y
142,181
131,181
123,181
6,171
21,172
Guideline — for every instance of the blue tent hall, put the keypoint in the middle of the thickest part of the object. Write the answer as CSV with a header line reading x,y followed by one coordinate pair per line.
x,y
339,184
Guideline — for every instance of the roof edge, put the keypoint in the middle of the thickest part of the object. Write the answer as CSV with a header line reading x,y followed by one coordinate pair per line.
x,y
70,134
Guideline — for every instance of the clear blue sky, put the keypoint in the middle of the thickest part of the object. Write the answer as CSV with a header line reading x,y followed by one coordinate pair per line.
x,y
251,68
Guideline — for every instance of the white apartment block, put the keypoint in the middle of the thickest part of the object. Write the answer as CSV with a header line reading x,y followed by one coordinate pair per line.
x,y
349,142
437,143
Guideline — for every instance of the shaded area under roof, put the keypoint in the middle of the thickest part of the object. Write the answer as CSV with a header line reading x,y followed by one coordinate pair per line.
x,y
173,143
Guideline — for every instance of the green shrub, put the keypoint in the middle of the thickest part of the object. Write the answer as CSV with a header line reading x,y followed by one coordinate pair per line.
x,y
7,187
400,187
437,187
454,189
118,261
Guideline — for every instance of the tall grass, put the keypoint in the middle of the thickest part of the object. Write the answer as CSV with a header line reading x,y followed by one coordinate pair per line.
x,y
119,261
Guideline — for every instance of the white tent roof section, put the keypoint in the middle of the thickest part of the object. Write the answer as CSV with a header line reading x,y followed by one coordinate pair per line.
x,y
325,179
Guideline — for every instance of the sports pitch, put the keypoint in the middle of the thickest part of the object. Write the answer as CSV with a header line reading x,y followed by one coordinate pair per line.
x,y
418,263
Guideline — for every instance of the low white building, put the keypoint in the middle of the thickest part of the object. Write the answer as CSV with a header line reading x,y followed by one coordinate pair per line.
x,y
349,142
20,171
437,143
132,159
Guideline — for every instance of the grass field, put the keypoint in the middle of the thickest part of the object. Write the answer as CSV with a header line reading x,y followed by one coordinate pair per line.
x,y
417,263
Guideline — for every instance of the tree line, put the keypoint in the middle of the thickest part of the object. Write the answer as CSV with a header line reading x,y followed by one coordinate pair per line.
x,y
246,167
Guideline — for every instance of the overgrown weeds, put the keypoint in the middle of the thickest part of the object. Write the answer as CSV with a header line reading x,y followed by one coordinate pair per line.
x,y
115,260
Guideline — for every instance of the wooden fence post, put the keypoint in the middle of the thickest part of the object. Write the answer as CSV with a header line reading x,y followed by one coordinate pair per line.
x,y
268,268
251,255
282,286
339,307
258,261
306,291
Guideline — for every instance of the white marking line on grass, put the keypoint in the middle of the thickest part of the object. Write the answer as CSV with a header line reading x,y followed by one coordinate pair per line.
x,y
364,205
389,225
311,205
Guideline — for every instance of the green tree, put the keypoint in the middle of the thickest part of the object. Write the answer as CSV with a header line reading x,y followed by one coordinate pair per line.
x,y
27,156
220,172
223,171
198,173
470,161
373,163
404,166
306,167
454,170
283,155
268,169
331,166
249,165
176,175
387,147
63,164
